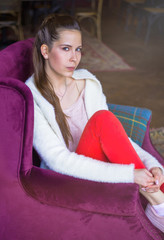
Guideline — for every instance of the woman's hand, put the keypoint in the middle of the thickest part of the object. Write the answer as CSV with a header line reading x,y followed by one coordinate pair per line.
x,y
143,177
159,180
158,175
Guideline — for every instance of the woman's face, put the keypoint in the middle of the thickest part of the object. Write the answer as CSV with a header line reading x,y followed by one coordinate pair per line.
x,y
65,55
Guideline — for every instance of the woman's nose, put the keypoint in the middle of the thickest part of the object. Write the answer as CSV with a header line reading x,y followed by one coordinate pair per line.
x,y
73,56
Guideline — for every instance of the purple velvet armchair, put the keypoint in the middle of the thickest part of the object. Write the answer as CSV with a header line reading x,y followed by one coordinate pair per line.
x,y
41,204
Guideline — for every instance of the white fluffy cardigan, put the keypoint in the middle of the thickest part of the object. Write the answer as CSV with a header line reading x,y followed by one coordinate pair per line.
x,y
50,145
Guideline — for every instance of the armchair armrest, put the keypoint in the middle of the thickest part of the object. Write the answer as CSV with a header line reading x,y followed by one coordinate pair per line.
x,y
56,189
148,146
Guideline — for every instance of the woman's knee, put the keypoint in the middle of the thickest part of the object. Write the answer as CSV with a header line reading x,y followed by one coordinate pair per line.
x,y
105,115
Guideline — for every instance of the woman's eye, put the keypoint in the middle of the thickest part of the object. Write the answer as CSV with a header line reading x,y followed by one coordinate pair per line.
x,y
79,49
65,48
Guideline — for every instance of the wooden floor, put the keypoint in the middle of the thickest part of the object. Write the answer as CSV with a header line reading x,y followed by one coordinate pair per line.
x,y
143,87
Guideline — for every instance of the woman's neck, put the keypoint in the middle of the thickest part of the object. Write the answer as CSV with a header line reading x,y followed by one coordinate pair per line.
x,y
57,82
60,85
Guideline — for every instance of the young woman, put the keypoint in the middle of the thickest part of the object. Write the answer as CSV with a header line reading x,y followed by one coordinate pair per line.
x,y
74,133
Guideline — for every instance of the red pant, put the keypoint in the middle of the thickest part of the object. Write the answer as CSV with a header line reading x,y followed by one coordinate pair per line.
x,y
105,139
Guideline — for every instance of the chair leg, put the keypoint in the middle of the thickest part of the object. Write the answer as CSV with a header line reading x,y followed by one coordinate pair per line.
x,y
128,13
97,23
18,32
92,25
99,35
3,34
151,20
15,29
140,22
160,26
21,34
121,12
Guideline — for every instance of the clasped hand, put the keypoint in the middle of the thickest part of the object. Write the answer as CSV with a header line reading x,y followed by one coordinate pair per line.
x,y
149,181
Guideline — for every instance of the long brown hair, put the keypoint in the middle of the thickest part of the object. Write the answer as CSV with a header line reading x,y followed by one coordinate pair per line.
x,y
47,34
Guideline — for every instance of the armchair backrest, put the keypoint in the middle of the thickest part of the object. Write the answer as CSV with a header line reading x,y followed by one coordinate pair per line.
x,y
16,128
16,64
16,60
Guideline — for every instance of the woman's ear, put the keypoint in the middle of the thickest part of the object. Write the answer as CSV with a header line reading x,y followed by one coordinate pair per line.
x,y
44,51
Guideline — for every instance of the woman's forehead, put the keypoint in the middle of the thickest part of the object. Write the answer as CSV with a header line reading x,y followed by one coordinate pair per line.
x,y
70,35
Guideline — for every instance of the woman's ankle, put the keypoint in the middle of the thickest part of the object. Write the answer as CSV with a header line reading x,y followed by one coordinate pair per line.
x,y
155,198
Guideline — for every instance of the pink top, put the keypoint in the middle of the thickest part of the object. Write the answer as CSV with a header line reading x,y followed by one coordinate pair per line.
x,y
77,119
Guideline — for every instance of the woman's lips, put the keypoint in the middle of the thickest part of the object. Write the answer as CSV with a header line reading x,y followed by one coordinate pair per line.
x,y
71,68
